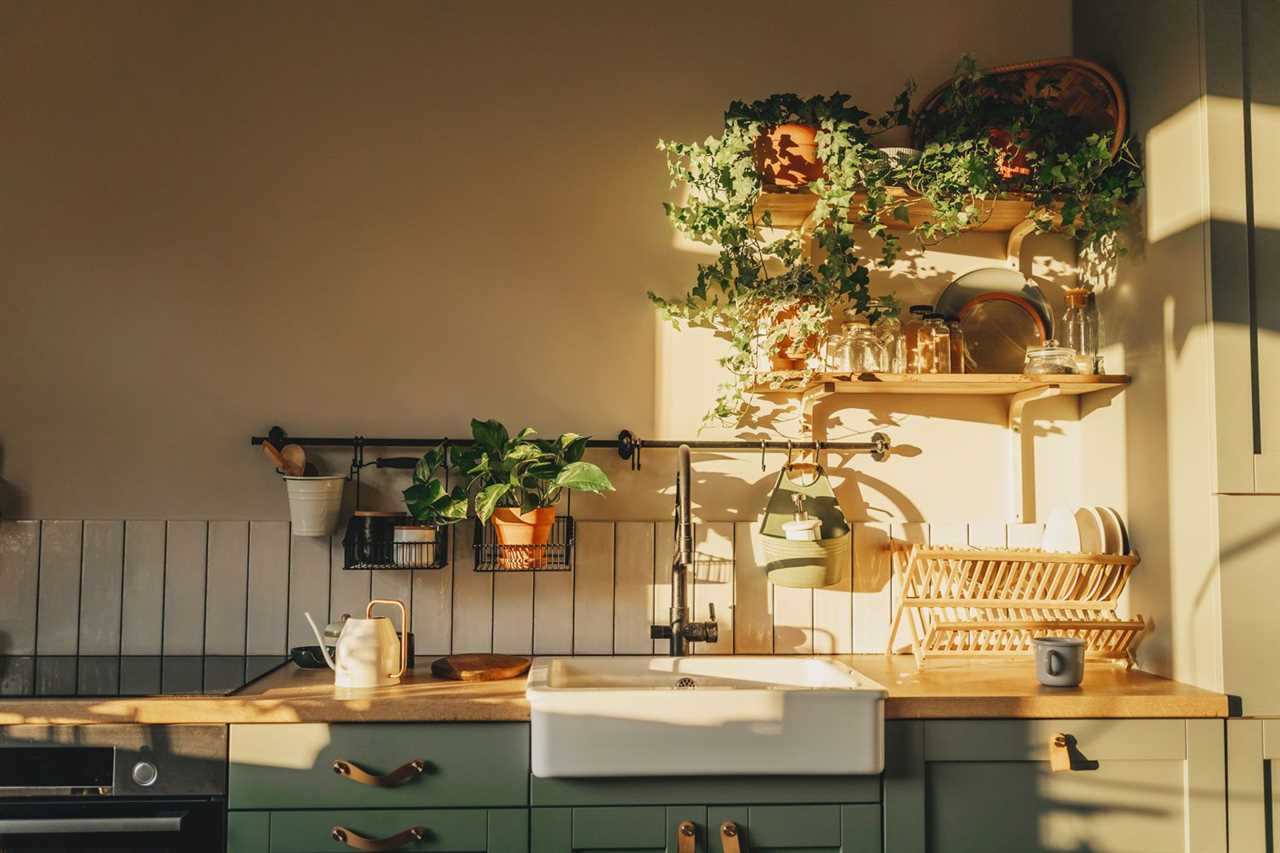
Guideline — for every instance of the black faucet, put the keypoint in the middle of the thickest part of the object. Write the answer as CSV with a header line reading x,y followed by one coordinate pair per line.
x,y
681,631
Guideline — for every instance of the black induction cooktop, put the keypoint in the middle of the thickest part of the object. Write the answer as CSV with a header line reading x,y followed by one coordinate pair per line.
x,y
130,675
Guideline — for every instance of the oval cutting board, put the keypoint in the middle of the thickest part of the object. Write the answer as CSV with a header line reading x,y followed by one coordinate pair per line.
x,y
479,667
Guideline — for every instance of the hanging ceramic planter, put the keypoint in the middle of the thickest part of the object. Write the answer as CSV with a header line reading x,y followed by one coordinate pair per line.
x,y
805,564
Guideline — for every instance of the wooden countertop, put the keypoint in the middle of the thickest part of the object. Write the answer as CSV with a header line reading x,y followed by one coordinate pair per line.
x,y
972,690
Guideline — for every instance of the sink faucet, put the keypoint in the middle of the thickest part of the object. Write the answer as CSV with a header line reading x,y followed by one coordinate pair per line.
x,y
681,631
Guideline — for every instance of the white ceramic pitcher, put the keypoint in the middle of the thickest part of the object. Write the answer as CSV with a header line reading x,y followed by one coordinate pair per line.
x,y
368,652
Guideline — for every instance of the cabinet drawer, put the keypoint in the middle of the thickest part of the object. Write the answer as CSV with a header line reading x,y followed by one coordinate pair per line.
x,y
291,766
783,828
1028,740
460,830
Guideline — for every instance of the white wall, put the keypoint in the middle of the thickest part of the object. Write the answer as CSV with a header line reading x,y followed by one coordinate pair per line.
x,y
389,218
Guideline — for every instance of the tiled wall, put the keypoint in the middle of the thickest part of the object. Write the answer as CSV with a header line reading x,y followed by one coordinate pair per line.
x,y
239,587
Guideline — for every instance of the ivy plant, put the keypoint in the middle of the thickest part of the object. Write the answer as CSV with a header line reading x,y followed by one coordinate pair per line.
x,y
765,289
986,138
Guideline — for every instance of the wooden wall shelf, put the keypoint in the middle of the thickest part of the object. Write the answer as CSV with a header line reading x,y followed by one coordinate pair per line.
x,y
818,388
1005,215
1017,389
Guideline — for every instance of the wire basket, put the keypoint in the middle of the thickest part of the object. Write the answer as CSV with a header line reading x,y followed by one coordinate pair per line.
x,y
555,556
375,548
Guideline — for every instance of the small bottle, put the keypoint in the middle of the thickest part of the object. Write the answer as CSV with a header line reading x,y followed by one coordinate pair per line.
x,y
957,346
1080,328
935,357
911,336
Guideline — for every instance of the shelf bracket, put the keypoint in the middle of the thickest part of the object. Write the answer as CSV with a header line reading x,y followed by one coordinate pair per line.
x,y
1022,489
1013,248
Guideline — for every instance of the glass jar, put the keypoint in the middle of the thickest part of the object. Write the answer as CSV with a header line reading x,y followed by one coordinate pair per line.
x,y
835,355
1080,328
1050,360
863,348
933,347
888,329
957,346
911,336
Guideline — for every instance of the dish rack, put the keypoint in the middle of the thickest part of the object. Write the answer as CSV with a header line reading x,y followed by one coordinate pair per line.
x,y
963,602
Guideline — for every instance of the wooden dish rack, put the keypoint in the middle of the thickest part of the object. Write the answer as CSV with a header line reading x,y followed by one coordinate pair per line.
x,y
964,602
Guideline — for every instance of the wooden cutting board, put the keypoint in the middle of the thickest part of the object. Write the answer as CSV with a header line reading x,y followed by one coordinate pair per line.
x,y
477,667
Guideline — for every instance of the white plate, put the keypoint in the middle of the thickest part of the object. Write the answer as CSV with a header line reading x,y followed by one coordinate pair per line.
x,y
1113,530
1061,533
1126,546
1093,537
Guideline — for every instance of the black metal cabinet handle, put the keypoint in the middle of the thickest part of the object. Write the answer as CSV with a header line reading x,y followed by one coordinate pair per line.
x,y
399,776
356,841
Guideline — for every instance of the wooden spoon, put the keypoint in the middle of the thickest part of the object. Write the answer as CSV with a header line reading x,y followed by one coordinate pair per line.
x,y
274,455
295,460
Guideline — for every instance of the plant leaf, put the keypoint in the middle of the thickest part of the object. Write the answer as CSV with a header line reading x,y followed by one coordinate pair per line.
x,y
584,477
490,435
487,500
572,446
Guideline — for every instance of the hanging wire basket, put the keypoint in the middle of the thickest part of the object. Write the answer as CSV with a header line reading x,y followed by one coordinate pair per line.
x,y
555,556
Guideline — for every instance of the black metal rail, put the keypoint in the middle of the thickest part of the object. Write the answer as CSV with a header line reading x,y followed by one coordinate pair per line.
x,y
626,444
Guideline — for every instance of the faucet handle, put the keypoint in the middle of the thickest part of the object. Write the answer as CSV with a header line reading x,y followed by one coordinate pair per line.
x,y
711,609
659,632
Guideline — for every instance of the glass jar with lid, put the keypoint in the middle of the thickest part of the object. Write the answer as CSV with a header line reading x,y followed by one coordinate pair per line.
x,y
911,336
1050,360
933,345
863,350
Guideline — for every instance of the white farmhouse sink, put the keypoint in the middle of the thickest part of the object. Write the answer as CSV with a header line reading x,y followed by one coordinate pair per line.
x,y
703,716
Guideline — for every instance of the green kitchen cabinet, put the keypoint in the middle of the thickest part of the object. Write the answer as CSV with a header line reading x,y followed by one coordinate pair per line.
x,y
292,766
974,786
824,828
442,830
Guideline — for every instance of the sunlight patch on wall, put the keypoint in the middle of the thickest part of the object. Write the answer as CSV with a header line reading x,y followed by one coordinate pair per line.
x,y
1191,178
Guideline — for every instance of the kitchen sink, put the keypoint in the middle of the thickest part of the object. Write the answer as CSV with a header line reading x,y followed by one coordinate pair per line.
x,y
703,715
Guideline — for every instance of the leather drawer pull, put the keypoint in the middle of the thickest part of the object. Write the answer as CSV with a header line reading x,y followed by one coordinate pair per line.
x,y
686,837
399,776
731,838
356,841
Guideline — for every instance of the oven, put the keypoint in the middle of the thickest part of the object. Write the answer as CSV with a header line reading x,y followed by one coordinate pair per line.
x,y
113,788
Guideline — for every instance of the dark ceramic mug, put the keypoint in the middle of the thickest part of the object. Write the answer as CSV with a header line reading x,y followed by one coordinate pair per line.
x,y
1059,661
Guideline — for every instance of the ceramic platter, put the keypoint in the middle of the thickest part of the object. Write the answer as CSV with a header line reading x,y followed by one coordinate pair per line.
x,y
1001,313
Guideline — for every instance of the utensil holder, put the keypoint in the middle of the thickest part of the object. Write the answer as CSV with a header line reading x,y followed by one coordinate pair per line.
x,y
314,504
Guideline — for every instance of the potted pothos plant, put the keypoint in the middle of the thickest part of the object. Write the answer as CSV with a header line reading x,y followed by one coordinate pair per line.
x,y
433,506
517,480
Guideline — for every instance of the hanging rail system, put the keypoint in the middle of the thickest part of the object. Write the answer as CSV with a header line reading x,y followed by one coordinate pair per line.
x,y
627,444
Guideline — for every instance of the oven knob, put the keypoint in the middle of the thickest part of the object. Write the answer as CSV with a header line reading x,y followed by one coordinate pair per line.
x,y
145,774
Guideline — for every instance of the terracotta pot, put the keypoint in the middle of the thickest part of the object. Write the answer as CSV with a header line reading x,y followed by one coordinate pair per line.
x,y
525,534
787,355
788,156
1013,157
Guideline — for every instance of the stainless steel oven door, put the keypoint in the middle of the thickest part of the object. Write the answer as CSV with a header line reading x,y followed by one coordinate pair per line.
x,y
115,825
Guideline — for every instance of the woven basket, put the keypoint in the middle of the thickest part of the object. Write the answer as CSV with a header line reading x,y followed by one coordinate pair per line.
x,y
1081,88
801,564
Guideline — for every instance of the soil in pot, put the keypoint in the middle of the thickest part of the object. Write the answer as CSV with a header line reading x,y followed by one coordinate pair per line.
x,y
788,156
523,535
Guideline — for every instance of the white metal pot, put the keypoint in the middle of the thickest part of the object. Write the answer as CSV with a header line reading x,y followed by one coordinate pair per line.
x,y
314,504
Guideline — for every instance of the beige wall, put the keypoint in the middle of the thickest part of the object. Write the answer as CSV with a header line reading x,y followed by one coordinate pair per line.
x,y
386,218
